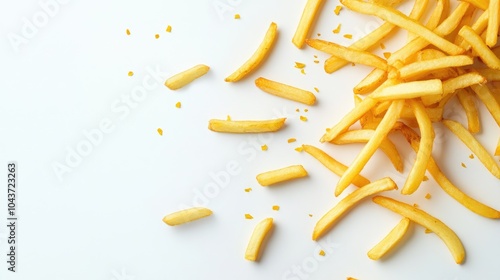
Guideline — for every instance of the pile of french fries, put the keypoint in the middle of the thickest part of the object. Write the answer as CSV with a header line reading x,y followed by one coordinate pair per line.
x,y
452,55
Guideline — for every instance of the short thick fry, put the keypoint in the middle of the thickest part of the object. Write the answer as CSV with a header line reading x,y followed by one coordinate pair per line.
x,y
187,215
281,175
333,165
488,57
286,91
390,240
259,233
258,57
427,221
410,90
468,139
179,80
331,217
422,68
246,126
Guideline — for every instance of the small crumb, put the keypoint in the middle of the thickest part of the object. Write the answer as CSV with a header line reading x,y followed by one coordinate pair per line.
x,y
127,31
299,65
382,46
310,215
237,16
316,89
415,205
248,216
160,131
471,156
427,231
387,55
302,71
303,118
337,30
319,34
316,61
463,165
327,129
353,64
337,10
322,253
348,36
178,104
157,36
299,149
425,178
291,140
428,196
248,189
306,110
315,56
263,147
297,110
228,118
351,278
169,29
130,73
276,207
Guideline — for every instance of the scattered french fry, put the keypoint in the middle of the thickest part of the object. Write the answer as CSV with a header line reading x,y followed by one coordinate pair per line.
x,y
286,91
390,240
259,234
246,126
187,215
306,21
179,80
281,175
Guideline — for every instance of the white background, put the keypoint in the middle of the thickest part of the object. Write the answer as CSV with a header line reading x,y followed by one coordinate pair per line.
x,y
102,218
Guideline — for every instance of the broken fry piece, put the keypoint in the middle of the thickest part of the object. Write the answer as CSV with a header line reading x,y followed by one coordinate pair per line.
x,y
187,215
286,91
179,80
390,240
246,126
281,175
257,239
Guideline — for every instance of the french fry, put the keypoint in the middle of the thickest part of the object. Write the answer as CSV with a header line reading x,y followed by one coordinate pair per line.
x,y
363,136
258,57
485,95
390,240
478,26
488,57
497,150
453,84
466,99
410,90
489,74
423,218
281,175
246,126
306,21
493,22
371,81
187,215
442,6
348,54
369,149
422,68
397,18
286,91
256,241
338,211
468,139
333,165
435,114
481,4
179,80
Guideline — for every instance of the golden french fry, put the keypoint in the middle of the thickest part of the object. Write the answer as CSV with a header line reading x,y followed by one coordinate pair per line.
x,y
331,217
390,240
259,233
481,4
306,21
369,149
490,75
246,126
466,99
422,68
497,151
363,136
468,139
348,54
397,18
281,175
453,84
258,57
423,218
493,22
417,172
286,91
488,57
371,81
179,80
435,113
478,26
187,215
410,90
484,93
333,165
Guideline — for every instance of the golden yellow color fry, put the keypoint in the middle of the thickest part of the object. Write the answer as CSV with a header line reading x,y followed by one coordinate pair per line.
x,y
347,203
390,240
246,126
410,90
453,84
397,18
281,175
258,57
306,21
363,136
497,151
434,18
422,68
371,82
256,241
187,215
481,4
286,91
369,149
179,80
333,165
427,221
466,99
486,96
478,26
435,113
493,22
490,75
479,151
486,55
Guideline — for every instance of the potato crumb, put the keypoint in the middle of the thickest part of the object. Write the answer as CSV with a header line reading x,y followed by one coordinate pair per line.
x,y
463,165
237,16
471,156
337,10
306,110
415,205
178,104
319,34
427,231
387,55
248,216
248,189
228,118
322,253
291,140
348,36
302,71
157,36
382,46
315,56
316,61
169,29
303,118
425,178
160,131
351,278
263,147
297,110
337,30
276,207
316,89
299,65
299,149
310,215
127,31
130,73
428,196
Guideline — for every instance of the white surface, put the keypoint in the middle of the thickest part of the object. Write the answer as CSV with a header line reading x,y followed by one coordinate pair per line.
x,y
102,220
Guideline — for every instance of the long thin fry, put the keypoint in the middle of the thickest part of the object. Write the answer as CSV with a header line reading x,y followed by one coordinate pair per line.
x,y
306,21
493,22
420,68
390,240
466,99
453,84
410,90
484,93
246,126
286,91
488,57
